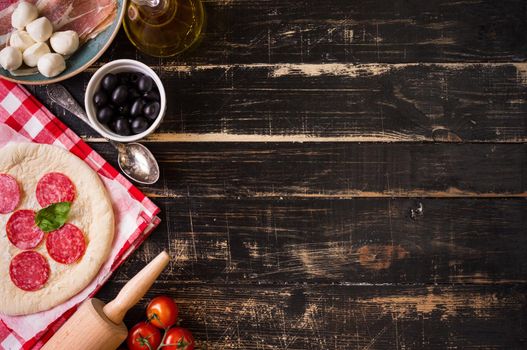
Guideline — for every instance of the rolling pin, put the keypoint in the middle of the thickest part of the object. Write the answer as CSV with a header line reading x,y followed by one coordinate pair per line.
x,y
96,326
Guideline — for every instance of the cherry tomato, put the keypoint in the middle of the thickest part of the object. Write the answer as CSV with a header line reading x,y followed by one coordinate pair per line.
x,y
179,338
162,312
142,335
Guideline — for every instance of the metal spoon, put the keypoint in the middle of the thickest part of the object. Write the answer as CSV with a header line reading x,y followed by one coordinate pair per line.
x,y
135,160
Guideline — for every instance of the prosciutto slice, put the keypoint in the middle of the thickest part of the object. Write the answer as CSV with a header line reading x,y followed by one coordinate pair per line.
x,y
87,17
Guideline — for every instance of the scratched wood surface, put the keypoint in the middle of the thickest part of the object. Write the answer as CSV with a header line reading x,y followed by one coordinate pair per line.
x,y
341,102
341,175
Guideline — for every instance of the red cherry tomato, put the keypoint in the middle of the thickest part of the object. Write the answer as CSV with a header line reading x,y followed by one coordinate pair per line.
x,y
179,338
162,312
142,335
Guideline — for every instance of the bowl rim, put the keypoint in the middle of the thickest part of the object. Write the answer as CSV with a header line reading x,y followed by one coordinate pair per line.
x,y
82,68
91,88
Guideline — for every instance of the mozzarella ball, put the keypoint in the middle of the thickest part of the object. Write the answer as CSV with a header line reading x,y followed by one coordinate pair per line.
x,y
51,64
24,13
21,40
40,29
65,43
10,58
33,53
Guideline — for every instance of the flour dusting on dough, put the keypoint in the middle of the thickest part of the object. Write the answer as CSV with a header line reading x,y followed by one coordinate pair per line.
x,y
91,211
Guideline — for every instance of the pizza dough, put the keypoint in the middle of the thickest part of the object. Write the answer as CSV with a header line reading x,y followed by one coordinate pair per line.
x,y
68,262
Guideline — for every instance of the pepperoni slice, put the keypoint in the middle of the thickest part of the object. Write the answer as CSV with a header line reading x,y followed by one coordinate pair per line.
x,y
66,245
22,230
9,193
29,271
54,188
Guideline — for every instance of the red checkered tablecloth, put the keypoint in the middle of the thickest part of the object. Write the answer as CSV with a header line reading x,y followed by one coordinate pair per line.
x,y
24,119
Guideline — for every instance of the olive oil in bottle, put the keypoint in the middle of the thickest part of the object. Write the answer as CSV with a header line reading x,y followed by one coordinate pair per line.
x,y
164,28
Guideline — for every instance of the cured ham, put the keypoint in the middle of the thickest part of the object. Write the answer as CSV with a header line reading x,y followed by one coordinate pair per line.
x,y
6,9
87,17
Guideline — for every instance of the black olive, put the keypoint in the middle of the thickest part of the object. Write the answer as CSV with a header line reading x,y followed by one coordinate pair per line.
x,y
124,110
145,83
123,78
139,124
151,110
119,95
112,125
134,77
137,108
109,82
100,99
152,95
122,127
105,115
133,94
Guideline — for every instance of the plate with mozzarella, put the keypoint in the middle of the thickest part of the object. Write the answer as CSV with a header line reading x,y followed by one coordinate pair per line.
x,y
46,41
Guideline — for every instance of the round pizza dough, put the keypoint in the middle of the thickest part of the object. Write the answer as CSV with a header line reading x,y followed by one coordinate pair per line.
x,y
91,211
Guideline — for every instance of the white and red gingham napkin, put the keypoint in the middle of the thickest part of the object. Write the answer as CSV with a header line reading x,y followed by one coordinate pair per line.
x,y
24,119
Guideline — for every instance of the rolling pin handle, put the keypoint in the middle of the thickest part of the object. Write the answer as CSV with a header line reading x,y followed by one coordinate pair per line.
x,y
135,289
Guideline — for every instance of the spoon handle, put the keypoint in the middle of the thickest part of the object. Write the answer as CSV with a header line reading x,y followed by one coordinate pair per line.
x,y
58,94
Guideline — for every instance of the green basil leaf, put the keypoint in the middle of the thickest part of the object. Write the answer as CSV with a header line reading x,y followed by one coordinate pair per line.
x,y
53,216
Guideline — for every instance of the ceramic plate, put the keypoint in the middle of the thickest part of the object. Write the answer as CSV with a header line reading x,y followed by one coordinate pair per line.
x,y
80,60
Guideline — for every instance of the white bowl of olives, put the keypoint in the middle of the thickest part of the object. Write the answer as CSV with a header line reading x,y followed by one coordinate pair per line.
x,y
125,100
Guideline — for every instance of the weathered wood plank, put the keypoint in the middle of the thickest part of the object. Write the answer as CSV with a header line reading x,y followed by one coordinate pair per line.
x,y
336,170
305,317
340,241
359,31
338,102
301,246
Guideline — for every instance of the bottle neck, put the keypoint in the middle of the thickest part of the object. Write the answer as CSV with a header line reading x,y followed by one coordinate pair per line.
x,y
149,3
152,11
160,7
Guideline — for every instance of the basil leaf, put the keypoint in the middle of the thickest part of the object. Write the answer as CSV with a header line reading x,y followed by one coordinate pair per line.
x,y
53,216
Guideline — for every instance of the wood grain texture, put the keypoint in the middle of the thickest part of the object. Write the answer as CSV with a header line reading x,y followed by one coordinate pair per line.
x,y
338,102
342,242
307,317
336,170
341,175
366,31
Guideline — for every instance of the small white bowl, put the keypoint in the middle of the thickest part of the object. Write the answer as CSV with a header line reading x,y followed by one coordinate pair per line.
x,y
114,67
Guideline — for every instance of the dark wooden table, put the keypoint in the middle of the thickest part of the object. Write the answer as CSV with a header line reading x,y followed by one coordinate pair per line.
x,y
300,142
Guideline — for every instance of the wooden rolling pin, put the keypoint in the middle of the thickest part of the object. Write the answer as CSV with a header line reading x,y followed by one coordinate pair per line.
x,y
96,326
